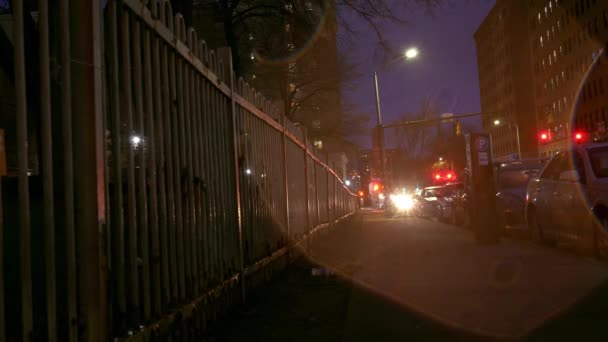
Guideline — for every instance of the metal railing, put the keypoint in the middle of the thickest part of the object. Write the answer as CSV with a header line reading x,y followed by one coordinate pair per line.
x,y
167,187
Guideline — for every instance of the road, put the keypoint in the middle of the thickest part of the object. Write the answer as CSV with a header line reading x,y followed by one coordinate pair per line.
x,y
440,275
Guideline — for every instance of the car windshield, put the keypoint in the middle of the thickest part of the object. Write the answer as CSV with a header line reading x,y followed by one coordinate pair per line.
x,y
451,189
516,178
599,161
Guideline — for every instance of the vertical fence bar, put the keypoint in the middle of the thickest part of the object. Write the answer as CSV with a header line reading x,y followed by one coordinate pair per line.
x,y
196,176
132,219
89,155
160,99
306,190
150,144
2,249
68,168
205,164
118,237
286,184
234,142
22,164
192,171
316,169
209,171
179,238
47,169
142,194
202,219
186,172
169,113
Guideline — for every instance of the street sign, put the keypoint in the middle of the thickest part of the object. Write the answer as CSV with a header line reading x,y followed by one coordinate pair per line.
x,y
3,168
480,185
447,117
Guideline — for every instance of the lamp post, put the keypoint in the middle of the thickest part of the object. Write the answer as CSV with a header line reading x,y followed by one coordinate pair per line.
x,y
498,123
409,54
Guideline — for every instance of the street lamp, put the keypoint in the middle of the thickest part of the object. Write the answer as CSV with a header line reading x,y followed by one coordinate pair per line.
x,y
498,123
409,54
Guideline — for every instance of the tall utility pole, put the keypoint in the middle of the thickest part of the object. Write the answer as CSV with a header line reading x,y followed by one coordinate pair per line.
x,y
379,129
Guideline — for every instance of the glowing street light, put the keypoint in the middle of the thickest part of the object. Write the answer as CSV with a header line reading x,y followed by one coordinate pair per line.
x,y
135,141
496,122
347,182
411,53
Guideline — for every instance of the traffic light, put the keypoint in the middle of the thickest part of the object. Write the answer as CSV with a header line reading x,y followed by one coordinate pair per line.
x,y
361,194
458,128
579,137
544,137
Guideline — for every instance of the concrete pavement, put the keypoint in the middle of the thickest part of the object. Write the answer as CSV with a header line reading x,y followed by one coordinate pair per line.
x,y
502,291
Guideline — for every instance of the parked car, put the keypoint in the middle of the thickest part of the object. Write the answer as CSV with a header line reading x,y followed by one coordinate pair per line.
x,y
511,184
447,210
427,203
568,202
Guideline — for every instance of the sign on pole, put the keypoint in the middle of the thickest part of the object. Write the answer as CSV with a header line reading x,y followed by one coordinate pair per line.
x,y
447,117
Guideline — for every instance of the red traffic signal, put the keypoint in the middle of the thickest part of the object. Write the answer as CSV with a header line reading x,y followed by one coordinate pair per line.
x,y
544,137
579,137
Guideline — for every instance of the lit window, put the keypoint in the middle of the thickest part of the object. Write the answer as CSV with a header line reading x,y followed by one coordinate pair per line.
x,y
318,144
541,41
539,17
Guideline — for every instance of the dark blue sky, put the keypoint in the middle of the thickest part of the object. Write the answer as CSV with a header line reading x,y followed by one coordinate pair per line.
x,y
446,69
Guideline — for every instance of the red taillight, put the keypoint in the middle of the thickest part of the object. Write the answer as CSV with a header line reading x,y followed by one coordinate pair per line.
x,y
449,176
437,177
579,137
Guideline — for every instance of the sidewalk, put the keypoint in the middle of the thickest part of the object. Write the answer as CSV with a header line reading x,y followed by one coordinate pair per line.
x,y
422,280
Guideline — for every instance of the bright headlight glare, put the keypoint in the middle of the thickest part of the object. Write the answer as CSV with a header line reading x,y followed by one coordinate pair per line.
x,y
402,202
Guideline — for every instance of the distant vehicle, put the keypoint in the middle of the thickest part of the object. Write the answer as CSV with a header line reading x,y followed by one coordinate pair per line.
x,y
400,204
427,203
448,211
511,184
568,202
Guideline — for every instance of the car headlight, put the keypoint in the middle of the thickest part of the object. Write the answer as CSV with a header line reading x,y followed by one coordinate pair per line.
x,y
403,202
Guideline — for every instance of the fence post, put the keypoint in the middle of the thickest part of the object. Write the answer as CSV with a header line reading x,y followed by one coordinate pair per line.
x,y
286,176
225,54
327,173
89,158
306,195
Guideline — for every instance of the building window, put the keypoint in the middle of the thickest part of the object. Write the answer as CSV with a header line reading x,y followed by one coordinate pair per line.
x,y
318,144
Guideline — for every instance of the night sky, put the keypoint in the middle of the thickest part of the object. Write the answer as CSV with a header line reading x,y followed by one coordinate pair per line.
x,y
446,70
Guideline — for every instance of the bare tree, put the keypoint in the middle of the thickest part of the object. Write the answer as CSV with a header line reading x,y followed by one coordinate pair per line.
x,y
414,140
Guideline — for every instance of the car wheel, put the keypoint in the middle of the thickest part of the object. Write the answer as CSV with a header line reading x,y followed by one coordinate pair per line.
x,y
453,219
535,231
501,222
600,238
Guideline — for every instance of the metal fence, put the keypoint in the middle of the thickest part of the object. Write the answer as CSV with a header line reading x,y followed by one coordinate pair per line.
x,y
165,188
